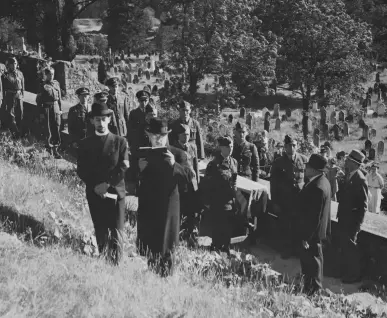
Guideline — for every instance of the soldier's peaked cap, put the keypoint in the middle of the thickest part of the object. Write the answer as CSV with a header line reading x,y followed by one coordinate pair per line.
x,y
141,94
82,91
112,81
101,95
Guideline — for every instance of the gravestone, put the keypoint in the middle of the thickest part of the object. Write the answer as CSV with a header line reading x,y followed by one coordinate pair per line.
x,y
230,118
346,129
278,124
366,132
288,112
276,110
284,117
154,90
129,76
323,115
367,145
266,125
380,148
207,87
147,74
139,72
222,129
372,133
361,123
381,109
264,111
349,118
341,116
314,106
316,141
135,79
372,154
249,118
375,115
267,116
242,112
166,84
333,118
336,132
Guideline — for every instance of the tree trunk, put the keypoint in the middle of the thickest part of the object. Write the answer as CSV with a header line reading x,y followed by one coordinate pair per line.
x,y
193,83
52,37
67,19
305,106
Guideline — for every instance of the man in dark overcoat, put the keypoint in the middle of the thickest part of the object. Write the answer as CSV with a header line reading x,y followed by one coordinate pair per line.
x,y
102,162
315,222
194,126
353,204
161,177
286,182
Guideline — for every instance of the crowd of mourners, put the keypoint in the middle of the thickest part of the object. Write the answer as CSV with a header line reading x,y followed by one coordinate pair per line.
x,y
118,144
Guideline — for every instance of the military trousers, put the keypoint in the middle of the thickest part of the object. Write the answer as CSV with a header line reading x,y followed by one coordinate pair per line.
x,y
312,262
108,219
13,113
52,120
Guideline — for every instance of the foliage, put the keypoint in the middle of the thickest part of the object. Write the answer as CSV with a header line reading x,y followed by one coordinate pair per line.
x,y
9,33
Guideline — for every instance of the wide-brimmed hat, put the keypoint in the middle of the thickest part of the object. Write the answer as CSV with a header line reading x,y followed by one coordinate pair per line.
x,y
143,94
100,109
318,162
356,156
82,91
225,141
158,126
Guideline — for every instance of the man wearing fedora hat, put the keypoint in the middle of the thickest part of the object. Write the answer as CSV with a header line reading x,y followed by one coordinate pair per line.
x,y
162,179
79,124
353,204
315,221
102,162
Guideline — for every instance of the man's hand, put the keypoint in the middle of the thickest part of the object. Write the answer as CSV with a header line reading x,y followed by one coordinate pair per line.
x,y
170,158
101,189
142,163
305,245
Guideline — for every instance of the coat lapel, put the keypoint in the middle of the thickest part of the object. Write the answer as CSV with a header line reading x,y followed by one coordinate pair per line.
x,y
108,145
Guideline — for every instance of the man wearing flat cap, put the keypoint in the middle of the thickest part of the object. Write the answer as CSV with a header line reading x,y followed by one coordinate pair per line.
x,y
79,124
13,87
245,153
162,179
195,131
218,189
315,222
120,105
286,182
353,204
102,162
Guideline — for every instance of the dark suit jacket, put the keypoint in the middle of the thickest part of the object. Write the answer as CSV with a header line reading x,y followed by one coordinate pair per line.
x,y
246,155
315,210
353,202
109,165
136,125
121,108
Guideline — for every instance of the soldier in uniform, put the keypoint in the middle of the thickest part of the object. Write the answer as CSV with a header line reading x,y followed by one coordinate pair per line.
x,y
13,86
49,100
120,105
287,180
219,191
101,97
78,119
196,137
246,154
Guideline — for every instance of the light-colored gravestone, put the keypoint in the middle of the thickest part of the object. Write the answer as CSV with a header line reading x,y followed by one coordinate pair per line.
x,y
276,110
288,112
249,118
346,129
316,141
367,145
222,129
366,132
372,133
278,124
381,109
333,118
264,111
314,106
341,116
380,148
323,115
336,132
325,130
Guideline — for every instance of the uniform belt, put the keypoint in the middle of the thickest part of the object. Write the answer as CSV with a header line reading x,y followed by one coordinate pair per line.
x,y
13,91
50,103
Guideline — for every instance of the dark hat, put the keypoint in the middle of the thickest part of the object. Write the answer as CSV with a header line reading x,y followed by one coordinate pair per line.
x,y
317,162
356,156
100,109
101,95
280,145
158,126
288,139
12,60
143,93
240,126
149,109
328,144
225,141
183,104
180,129
82,91
112,81
323,149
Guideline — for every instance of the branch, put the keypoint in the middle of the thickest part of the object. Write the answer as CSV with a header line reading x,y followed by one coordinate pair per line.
x,y
87,4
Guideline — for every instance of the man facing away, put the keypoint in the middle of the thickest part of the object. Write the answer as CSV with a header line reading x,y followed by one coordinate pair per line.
x,y
102,162
315,222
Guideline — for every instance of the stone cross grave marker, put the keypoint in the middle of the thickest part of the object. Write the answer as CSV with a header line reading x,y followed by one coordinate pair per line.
x,y
367,145
323,115
242,112
266,125
372,154
346,129
366,132
316,141
288,112
276,110
373,133
336,132
230,118
341,116
380,148
333,117
278,124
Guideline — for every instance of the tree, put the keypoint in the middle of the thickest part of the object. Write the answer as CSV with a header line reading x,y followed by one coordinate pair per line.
x,y
321,45
214,37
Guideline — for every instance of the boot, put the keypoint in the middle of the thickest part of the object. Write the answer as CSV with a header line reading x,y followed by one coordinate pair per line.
x,y
56,153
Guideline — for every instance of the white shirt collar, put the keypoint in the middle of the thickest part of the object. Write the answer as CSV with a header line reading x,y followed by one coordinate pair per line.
x,y
102,134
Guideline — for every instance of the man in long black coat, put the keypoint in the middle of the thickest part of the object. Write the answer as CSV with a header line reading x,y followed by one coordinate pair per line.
x,y
315,222
158,222
102,162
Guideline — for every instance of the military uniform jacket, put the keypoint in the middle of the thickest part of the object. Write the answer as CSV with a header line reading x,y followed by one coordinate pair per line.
x,y
353,202
219,183
192,157
287,178
246,155
136,124
79,123
13,83
121,108
195,137
50,95
109,165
